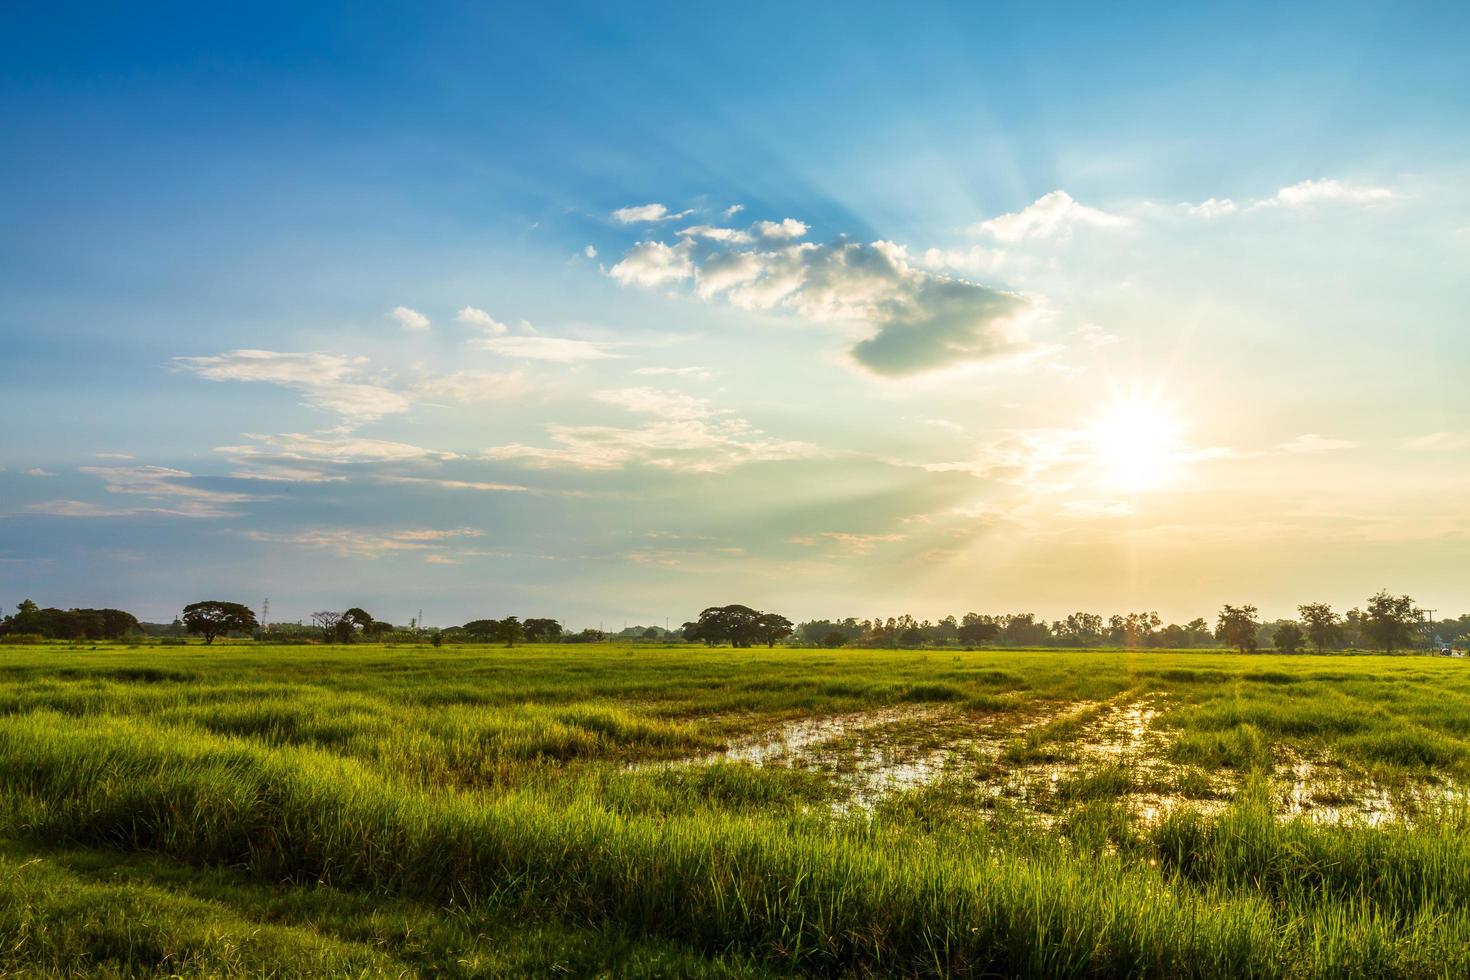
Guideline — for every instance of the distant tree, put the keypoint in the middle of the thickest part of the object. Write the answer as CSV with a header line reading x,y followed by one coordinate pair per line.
x,y
482,630
734,625
1390,621
1237,627
1079,629
652,633
213,618
1289,637
770,627
976,630
509,630
542,630
1321,625
352,621
834,639
327,622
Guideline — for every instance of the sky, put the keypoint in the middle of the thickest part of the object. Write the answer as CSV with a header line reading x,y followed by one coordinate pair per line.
x,y
610,313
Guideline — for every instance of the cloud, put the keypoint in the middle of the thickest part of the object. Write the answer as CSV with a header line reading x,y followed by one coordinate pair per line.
x,y
1097,509
1309,192
653,264
590,251
112,456
1053,215
37,471
919,320
410,319
1311,443
484,485
733,210
683,436
1212,208
300,447
476,317
652,401
691,371
169,487
715,234
562,350
780,230
1439,441
858,544
642,213
471,387
330,382
370,543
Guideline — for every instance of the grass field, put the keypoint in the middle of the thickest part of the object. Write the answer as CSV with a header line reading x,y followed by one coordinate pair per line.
x,y
579,810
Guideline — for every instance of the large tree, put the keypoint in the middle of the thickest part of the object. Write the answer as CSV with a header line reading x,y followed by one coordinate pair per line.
x,y
541,630
976,629
1390,620
734,625
1323,627
1288,637
770,627
212,618
509,630
1237,627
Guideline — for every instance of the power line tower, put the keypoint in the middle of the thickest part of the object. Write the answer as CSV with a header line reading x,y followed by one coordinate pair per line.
x,y
265,614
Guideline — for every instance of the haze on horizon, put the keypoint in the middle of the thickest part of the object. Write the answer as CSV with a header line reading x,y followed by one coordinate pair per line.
x,y
606,314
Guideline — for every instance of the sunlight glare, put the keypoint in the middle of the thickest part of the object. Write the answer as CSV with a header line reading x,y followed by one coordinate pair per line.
x,y
1135,445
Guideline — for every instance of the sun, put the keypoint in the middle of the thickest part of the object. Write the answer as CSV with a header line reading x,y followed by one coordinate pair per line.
x,y
1135,445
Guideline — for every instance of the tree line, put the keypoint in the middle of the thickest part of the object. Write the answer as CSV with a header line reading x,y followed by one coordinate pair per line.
x,y
1386,622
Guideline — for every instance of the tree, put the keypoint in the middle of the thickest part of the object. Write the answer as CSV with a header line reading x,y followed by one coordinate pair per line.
x,y
353,620
1322,626
770,627
541,630
1289,637
1237,627
509,630
328,622
212,618
1390,620
975,630
834,639
734,625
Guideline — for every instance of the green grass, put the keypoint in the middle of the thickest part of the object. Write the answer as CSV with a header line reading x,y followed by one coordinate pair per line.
x,y
478,811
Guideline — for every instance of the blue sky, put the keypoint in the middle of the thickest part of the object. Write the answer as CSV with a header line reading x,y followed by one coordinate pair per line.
x,y
1055,309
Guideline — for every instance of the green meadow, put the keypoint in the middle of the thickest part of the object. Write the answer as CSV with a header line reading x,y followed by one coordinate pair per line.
x,y
660,811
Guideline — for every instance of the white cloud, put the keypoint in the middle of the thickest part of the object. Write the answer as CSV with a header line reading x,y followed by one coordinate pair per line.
x,y
1053,215
476,317
370,543
562,350
410,319
37,471
919,320
733,210
1440,441
1311,443
329,381
112,456
733,236
171,487
853,543
1310,192
81,508
471,387
484,485
1212,208
691,444
652,401
590,251
298,446
645,213
780,230
694,371
653,264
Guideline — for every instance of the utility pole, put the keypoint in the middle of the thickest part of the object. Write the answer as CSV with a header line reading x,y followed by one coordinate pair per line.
x,y
265,614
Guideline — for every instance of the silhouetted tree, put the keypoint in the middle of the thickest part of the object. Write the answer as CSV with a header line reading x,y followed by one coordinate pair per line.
x,y
213,618
1390,620
770,627
1237,627
1289,637
1322,626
